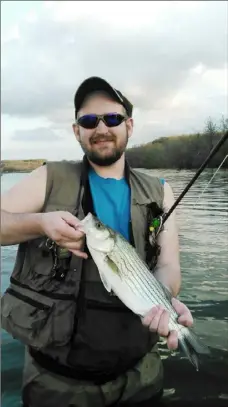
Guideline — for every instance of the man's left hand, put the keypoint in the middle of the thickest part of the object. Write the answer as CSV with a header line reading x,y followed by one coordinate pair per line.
x,y
157,319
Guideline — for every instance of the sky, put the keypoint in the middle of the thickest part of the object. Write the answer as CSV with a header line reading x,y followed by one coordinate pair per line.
x,y
169,58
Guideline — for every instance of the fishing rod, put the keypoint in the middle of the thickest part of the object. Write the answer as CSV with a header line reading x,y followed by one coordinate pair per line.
x,y
158,223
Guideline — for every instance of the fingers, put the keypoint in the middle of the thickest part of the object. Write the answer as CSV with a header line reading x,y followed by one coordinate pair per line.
x,y
185,316
149,316
172,340
79,253
163,326
186,320
69,233
157,320
179,306
158,323
61,226
73,246
70,219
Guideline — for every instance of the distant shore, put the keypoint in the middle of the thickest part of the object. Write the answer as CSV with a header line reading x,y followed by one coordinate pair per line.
x,y
11,166
175,152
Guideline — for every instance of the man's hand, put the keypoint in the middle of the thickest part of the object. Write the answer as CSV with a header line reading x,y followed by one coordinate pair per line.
x,y
64,229
157,319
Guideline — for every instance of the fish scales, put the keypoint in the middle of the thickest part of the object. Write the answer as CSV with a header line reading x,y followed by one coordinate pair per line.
x,y
122,258
127,270
138,273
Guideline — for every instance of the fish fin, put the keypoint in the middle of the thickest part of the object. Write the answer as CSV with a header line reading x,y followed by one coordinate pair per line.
x,y
105,282
114,268
112,265
193,347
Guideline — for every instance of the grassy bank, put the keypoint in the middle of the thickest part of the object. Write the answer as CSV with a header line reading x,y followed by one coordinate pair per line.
x,y
20,165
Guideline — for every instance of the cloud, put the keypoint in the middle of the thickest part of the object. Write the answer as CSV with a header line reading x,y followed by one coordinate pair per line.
x,y
41,134
170,59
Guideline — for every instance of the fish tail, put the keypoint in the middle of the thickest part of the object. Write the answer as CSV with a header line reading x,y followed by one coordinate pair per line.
x,y
193,347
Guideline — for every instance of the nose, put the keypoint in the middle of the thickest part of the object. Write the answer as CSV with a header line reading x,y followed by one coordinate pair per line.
x,y
101,127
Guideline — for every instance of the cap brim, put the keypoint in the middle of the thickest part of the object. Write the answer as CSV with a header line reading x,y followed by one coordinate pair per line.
x,y
94,84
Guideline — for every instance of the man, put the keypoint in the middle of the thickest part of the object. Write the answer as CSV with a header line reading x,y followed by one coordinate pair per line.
x,y
84,347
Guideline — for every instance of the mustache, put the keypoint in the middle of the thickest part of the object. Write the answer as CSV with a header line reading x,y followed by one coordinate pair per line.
x,y
97,138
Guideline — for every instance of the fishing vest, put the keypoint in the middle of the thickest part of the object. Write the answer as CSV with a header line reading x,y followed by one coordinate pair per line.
x,y
61,310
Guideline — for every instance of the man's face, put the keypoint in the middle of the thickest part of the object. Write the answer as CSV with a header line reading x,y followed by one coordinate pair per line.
x,y
103,145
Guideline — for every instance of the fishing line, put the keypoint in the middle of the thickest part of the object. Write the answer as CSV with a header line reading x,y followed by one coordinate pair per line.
x,y
194,178
210,181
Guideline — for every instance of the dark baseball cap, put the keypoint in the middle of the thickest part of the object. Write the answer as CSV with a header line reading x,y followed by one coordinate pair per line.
x,y
94,84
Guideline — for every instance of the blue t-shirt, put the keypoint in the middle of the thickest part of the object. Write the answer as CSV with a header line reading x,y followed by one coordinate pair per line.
x,y
112,200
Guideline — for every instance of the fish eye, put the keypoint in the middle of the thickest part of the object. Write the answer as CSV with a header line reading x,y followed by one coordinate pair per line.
x,y
99,225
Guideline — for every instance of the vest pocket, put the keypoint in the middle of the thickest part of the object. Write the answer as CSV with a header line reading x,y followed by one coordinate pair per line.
x,y
37,320
26,319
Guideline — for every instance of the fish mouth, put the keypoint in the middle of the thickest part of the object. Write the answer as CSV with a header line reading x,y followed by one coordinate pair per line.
x,y
86,223
102,237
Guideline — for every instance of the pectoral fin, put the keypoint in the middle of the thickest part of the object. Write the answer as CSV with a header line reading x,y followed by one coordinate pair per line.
x,y
114,268
112,265
105,282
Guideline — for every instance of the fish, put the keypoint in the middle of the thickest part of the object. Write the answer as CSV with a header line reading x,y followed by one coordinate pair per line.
x,y
124,273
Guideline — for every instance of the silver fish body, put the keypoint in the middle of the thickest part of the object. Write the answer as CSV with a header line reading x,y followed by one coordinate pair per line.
x,y
124,273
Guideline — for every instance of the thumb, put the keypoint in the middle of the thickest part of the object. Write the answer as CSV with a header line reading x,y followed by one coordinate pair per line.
x,y
70,219
80,228
178,305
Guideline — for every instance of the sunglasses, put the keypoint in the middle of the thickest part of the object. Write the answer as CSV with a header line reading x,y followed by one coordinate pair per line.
x,y
90,121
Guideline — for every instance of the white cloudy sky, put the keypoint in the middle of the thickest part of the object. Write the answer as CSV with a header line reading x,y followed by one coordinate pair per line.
x,y
169,58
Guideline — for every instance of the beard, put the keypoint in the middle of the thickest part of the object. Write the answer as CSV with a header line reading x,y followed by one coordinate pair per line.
x,y
105,159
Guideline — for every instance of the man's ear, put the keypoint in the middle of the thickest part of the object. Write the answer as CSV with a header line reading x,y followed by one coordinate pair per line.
x,y
76,131
130,125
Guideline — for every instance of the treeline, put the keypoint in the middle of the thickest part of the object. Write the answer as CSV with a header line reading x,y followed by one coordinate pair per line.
x,y
182,152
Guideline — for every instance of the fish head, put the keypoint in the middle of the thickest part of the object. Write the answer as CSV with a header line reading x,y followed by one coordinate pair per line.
x,y
98,236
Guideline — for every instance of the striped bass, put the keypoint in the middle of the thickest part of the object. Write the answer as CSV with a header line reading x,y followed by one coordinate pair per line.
x,y
125,274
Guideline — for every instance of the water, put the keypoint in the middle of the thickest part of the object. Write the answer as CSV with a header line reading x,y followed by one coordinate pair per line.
x,y
203,231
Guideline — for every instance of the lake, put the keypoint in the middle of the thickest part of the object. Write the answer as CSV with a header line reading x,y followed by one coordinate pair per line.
x,y
203,232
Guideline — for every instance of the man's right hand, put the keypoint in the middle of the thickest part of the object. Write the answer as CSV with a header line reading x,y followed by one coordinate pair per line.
x,y
63,228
